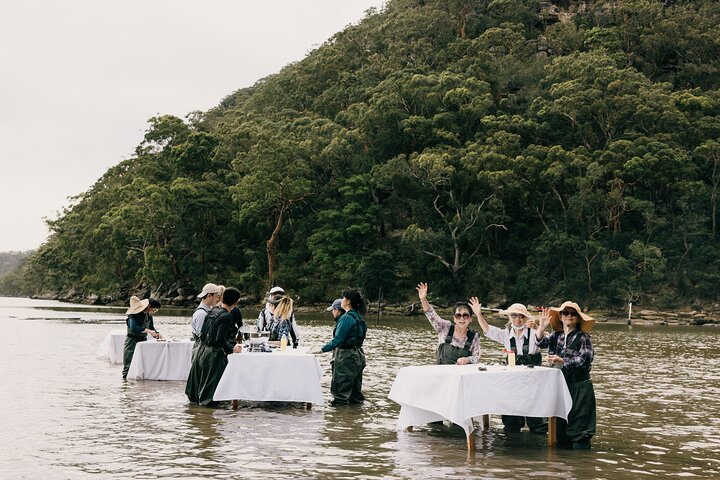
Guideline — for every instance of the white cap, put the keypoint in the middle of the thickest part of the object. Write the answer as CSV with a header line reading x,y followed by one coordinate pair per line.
x,y
208,289
275,290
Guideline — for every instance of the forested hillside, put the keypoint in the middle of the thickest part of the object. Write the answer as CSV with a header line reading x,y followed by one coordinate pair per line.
x,y
10,260
512,149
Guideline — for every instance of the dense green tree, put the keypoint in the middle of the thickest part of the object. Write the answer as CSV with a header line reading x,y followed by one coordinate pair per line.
x,y
488,147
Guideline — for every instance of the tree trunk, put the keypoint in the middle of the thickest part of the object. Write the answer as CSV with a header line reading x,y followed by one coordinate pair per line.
x,y
272,241
713,198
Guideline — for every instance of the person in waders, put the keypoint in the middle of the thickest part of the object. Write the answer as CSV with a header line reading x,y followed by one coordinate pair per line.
x,y
519,337
217,341
458,344
336,311
570,348
139,325
348,354
209,297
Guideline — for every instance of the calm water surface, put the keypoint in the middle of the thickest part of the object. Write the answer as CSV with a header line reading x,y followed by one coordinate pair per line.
x,y
66,414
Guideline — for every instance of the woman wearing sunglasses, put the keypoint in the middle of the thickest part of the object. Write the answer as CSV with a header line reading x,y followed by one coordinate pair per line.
x,y
457,342
570,348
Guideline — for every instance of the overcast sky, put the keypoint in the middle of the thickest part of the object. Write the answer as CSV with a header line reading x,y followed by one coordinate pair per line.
x,y
80,78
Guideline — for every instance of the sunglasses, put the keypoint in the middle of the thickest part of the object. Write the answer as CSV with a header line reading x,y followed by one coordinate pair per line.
x,y
461,315
516,315
569,313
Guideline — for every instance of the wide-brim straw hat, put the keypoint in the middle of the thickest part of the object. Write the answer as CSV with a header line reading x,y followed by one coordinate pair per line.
x,y
585,321
137,305
518,308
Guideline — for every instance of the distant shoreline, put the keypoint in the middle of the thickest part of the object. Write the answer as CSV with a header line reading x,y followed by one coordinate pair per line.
x,y
647,316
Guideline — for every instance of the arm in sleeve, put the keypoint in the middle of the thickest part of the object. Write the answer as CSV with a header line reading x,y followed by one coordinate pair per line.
x,y
545,342
441,326
583,356
197,321
496,334
295,332
475,349
341,332
223,338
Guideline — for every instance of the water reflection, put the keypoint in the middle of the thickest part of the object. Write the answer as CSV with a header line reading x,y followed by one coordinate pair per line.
x,y
66,414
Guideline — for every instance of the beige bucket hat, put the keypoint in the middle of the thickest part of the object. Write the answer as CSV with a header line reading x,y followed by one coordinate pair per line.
x,y
586,322
137,305
518,308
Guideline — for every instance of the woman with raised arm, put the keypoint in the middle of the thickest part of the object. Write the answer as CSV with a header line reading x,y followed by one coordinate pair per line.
x,y
458,344
570,348
519,337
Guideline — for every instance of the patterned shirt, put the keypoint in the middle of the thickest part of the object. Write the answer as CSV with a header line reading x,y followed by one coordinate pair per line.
x,y
582,357
442,327
280,328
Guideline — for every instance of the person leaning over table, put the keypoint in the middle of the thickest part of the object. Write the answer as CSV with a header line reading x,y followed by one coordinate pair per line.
x,y
209,297
570,348
458,344
517,336
217,341
139,325
349,356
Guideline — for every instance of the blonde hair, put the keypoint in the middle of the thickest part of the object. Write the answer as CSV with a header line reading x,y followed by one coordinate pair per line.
x,y
284,308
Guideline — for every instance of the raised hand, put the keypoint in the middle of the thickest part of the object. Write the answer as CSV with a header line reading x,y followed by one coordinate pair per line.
x,y
477,310
476,306
422,289
544,319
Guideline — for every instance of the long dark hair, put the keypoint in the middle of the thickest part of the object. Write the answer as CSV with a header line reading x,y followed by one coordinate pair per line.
x,y
356,300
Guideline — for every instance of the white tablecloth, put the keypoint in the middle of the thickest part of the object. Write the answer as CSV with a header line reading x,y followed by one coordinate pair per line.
x,y
112,347
168,360
290,376
459,392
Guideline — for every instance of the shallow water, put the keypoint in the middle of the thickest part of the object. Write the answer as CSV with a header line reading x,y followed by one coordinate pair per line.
x,y
66,414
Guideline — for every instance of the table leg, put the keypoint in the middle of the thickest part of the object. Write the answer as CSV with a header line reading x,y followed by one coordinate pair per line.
x,y
235,404
471,441
486,422
308,406
552,431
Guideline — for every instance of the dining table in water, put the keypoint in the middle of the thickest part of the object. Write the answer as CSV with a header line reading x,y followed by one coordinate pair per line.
x,y
292,375
459,393
165,359
112,347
